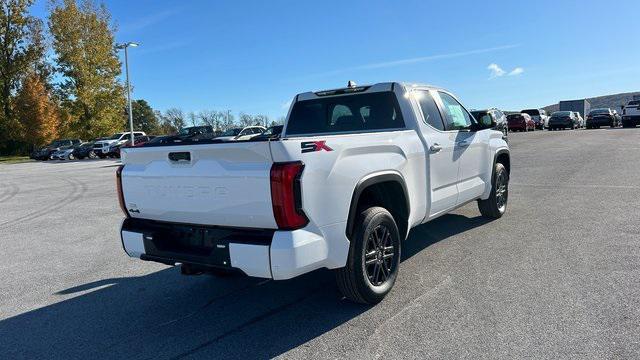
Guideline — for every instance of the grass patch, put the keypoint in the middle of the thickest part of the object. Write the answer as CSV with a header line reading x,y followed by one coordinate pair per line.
x,y
14,159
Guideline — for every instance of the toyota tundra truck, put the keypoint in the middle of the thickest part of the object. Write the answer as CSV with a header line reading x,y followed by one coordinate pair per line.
x,y
352,172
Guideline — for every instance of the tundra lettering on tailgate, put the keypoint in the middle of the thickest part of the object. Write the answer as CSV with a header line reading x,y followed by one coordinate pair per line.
x,y
310,146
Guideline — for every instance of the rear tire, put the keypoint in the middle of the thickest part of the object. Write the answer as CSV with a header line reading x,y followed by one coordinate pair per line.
x,y
374,258
496,205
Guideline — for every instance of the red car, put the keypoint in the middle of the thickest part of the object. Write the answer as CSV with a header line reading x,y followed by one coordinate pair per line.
x,y
520,122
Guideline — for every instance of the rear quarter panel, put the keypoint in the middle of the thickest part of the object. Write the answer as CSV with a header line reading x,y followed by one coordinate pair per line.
x,y
330,177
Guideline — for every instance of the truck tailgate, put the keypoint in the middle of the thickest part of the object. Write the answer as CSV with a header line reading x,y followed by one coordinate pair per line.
x,y
224,184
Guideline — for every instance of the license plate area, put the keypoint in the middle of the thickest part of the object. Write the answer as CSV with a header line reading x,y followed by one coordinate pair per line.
x,y
193,244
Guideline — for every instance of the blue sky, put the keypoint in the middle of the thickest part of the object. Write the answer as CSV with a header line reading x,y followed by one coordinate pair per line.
x,y
254,56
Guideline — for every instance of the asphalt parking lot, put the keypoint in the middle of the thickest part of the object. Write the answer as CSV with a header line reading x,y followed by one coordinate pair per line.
x,y
557,277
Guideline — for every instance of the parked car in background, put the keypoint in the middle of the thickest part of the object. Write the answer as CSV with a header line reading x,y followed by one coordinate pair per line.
x,y
63,154
159,140
197,132
114,151
46,152
520,122
85,150
600,117
496,115
581,106
272,133
631,114
246,133
581,122
563,120
539,117
102,147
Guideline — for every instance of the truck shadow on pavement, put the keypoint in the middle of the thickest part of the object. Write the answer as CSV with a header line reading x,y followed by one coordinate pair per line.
x,y
167,315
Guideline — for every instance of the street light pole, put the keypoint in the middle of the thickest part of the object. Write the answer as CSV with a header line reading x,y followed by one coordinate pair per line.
x,y
125,46
126,65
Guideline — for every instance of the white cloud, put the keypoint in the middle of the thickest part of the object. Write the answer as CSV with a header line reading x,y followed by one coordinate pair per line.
x,y
516,71
400,62
496,71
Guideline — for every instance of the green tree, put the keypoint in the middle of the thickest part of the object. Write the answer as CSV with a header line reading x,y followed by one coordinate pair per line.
x,y
144,118
21,46
84,45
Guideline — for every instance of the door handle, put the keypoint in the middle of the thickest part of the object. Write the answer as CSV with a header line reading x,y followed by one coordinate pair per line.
x,y
180,156
463,143
435,148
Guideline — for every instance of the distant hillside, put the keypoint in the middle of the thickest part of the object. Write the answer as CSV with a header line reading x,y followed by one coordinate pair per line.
x,y
606,101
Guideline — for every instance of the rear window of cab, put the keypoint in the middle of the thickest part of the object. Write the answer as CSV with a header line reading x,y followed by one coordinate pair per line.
x,y
348,113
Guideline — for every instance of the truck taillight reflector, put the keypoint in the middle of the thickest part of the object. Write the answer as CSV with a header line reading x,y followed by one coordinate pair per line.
x,y
286,195
120,193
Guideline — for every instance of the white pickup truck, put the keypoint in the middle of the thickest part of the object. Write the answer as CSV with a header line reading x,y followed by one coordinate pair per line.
x,y
631,114
353,170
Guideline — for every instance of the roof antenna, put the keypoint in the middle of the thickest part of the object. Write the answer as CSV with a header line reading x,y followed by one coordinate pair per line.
x,y
351,84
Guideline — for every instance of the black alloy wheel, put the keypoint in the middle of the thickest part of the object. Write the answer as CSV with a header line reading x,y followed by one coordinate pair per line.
x,y
378,256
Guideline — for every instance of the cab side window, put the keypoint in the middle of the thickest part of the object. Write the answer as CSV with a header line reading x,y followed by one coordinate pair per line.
x,y
429,109
456,117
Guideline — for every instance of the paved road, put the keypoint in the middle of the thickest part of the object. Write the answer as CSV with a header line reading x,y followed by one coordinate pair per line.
x,y
557,277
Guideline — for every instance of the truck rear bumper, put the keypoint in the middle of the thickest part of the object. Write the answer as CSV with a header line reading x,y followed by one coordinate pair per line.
x,y
271,254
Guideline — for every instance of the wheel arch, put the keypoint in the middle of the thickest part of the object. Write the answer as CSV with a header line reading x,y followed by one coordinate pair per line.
x,y
502,156
376,190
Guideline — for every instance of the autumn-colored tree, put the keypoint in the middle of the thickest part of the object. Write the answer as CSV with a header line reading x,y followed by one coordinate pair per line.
x,y
84,45
37,113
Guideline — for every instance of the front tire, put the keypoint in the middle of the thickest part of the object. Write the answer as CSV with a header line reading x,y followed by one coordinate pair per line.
x,y
496,205
374,258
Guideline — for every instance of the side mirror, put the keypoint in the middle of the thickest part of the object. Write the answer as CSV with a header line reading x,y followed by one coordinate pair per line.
x,y
487,122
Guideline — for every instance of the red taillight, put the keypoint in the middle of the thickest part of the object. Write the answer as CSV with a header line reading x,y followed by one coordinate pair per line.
x,y
286,196
120,193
